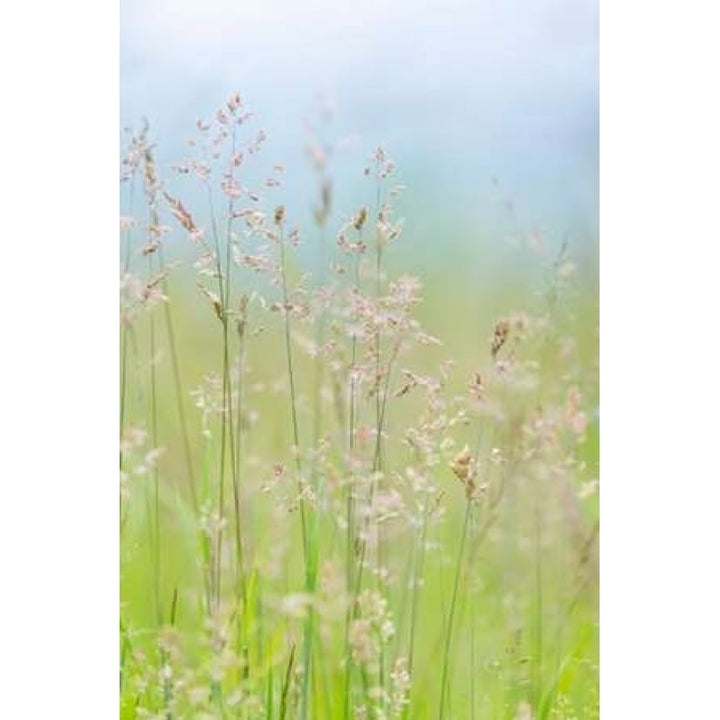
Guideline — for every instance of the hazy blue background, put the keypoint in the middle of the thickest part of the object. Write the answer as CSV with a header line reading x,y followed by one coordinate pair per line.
x,y
460,92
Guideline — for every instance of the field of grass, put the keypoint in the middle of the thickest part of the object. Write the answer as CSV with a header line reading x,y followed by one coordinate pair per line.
x,y
347,491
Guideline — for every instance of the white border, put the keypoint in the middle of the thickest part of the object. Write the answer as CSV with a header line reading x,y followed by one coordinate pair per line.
x,y
58,364
660,164
659,194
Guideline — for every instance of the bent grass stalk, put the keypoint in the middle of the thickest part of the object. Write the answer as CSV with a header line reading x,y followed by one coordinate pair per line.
x,y
286,683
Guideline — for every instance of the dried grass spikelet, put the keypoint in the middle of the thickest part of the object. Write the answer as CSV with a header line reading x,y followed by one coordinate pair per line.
x,y
360,218
242,316
465,471
326,196
181,214
371,630
158,230
150,248
279,215
234,102
476,387
151,180
407,386
501,332
214,300
400,677
152,290
321,214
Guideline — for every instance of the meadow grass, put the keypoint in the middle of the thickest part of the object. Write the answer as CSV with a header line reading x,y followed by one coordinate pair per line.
x,y
339,499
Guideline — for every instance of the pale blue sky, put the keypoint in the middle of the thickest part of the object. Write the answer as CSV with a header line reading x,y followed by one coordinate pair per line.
x,y
459,91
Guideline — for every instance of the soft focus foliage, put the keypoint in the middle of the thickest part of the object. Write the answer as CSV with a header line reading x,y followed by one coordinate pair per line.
x,y
344,492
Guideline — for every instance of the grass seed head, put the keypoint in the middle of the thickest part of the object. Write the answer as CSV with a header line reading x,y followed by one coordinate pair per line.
x,y
465,470
279,215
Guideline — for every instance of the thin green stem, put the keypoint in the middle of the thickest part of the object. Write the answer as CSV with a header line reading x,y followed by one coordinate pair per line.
x,y
227,435
417,560
237,471
473,530
223,420
234,451
319,341
363,545
123,338
177,380
154,443
291,379
453,604
286,684
538,635
417,579
350,500
309,548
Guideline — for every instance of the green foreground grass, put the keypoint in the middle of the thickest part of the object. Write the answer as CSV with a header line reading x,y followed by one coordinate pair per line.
x,y
322,517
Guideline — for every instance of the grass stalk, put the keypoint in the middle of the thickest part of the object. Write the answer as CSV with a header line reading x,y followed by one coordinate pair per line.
x,y
309,548
125,328
286,684
453,605
177,382
217,550
227,441
293,397
538,611
418,573
350,501
155,473
234,451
